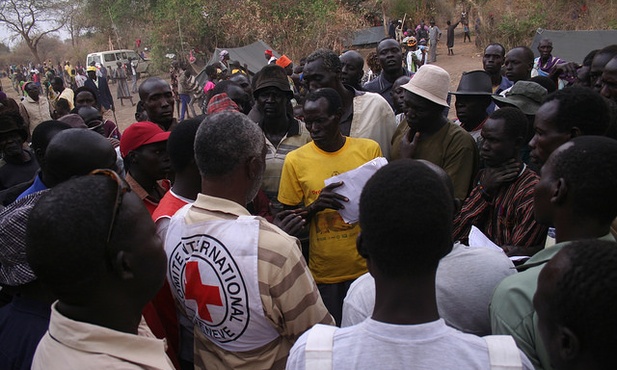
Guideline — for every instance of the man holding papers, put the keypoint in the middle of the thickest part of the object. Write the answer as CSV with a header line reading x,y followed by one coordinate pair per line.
x,y
333,258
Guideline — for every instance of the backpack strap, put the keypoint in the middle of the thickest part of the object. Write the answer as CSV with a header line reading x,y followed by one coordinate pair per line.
x,y
503,352
318,350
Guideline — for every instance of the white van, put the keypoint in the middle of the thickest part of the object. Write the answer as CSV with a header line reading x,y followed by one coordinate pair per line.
x,y
109,58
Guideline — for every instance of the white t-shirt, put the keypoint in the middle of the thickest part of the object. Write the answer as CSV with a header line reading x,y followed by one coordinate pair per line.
x,y
377,345
465,281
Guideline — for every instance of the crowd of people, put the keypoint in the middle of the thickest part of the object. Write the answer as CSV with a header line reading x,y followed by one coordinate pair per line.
x,y
221,240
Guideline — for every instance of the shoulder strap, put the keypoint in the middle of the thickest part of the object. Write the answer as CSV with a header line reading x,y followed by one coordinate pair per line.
x,y
318,350
503,352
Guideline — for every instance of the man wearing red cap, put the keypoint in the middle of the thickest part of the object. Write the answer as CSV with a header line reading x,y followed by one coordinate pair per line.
x,y
144,149
270,56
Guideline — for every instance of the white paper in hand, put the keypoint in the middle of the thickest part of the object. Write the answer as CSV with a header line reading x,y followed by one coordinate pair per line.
x,y
478,239
353,183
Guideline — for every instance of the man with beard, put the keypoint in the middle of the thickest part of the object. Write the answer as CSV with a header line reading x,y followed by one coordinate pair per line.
x,y
391,59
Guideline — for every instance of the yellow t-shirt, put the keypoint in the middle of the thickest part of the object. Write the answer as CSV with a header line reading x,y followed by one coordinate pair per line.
x,y
333,257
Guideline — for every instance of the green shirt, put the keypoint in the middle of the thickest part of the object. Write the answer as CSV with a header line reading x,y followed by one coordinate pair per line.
x,y
512,311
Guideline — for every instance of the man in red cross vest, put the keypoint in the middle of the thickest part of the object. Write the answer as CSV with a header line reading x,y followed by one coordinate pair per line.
x,y
241,280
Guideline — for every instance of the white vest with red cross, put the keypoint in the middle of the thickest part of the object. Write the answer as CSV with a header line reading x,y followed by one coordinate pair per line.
x,y
212,271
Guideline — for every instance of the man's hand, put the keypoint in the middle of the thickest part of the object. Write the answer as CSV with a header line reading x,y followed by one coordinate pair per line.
x,y
327,199
493,178
563,70
290,221
409,144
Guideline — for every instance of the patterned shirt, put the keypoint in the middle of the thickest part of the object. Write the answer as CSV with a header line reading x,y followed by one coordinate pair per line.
x,y
508,218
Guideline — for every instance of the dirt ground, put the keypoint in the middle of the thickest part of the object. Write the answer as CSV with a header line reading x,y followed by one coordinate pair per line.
x,y
466,58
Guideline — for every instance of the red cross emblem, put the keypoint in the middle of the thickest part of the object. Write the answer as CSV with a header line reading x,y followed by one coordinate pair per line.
x,y
204,295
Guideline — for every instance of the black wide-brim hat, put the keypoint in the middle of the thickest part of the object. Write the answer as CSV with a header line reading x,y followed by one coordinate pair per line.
x,y
475,83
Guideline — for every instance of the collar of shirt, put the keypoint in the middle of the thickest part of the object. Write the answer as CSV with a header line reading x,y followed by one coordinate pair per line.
x,y
144,348
546,254
139,190
216,204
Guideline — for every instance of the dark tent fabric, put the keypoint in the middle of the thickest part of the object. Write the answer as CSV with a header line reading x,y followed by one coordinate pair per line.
x,y
252,55
368,37
573,46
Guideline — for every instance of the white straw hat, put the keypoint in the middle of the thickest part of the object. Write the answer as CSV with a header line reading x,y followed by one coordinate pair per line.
x,y
430,82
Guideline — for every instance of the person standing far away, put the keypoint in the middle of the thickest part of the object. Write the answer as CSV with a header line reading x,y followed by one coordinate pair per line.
x,y
66,93
416,54
132,71
434,34
576,194
184,91
422,31
450,36
122,91
269,55
34,108
101,88
403,244
174,73
248,313
465,21
333,259
101,290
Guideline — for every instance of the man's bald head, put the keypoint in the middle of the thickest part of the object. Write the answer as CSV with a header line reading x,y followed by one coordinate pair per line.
x,y
352,68
158,101
150,83
76,152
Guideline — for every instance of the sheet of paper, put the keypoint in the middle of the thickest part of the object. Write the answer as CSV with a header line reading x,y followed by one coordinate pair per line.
x,y
353,183
479,240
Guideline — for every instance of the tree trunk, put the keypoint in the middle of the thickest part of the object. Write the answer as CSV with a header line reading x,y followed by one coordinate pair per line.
x,y
33,49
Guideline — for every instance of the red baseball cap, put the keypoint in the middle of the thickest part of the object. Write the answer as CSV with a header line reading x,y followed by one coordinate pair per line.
x,y
139,134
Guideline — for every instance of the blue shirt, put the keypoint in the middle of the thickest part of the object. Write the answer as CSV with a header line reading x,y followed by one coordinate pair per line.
x,y
505,84
37,185
23,322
